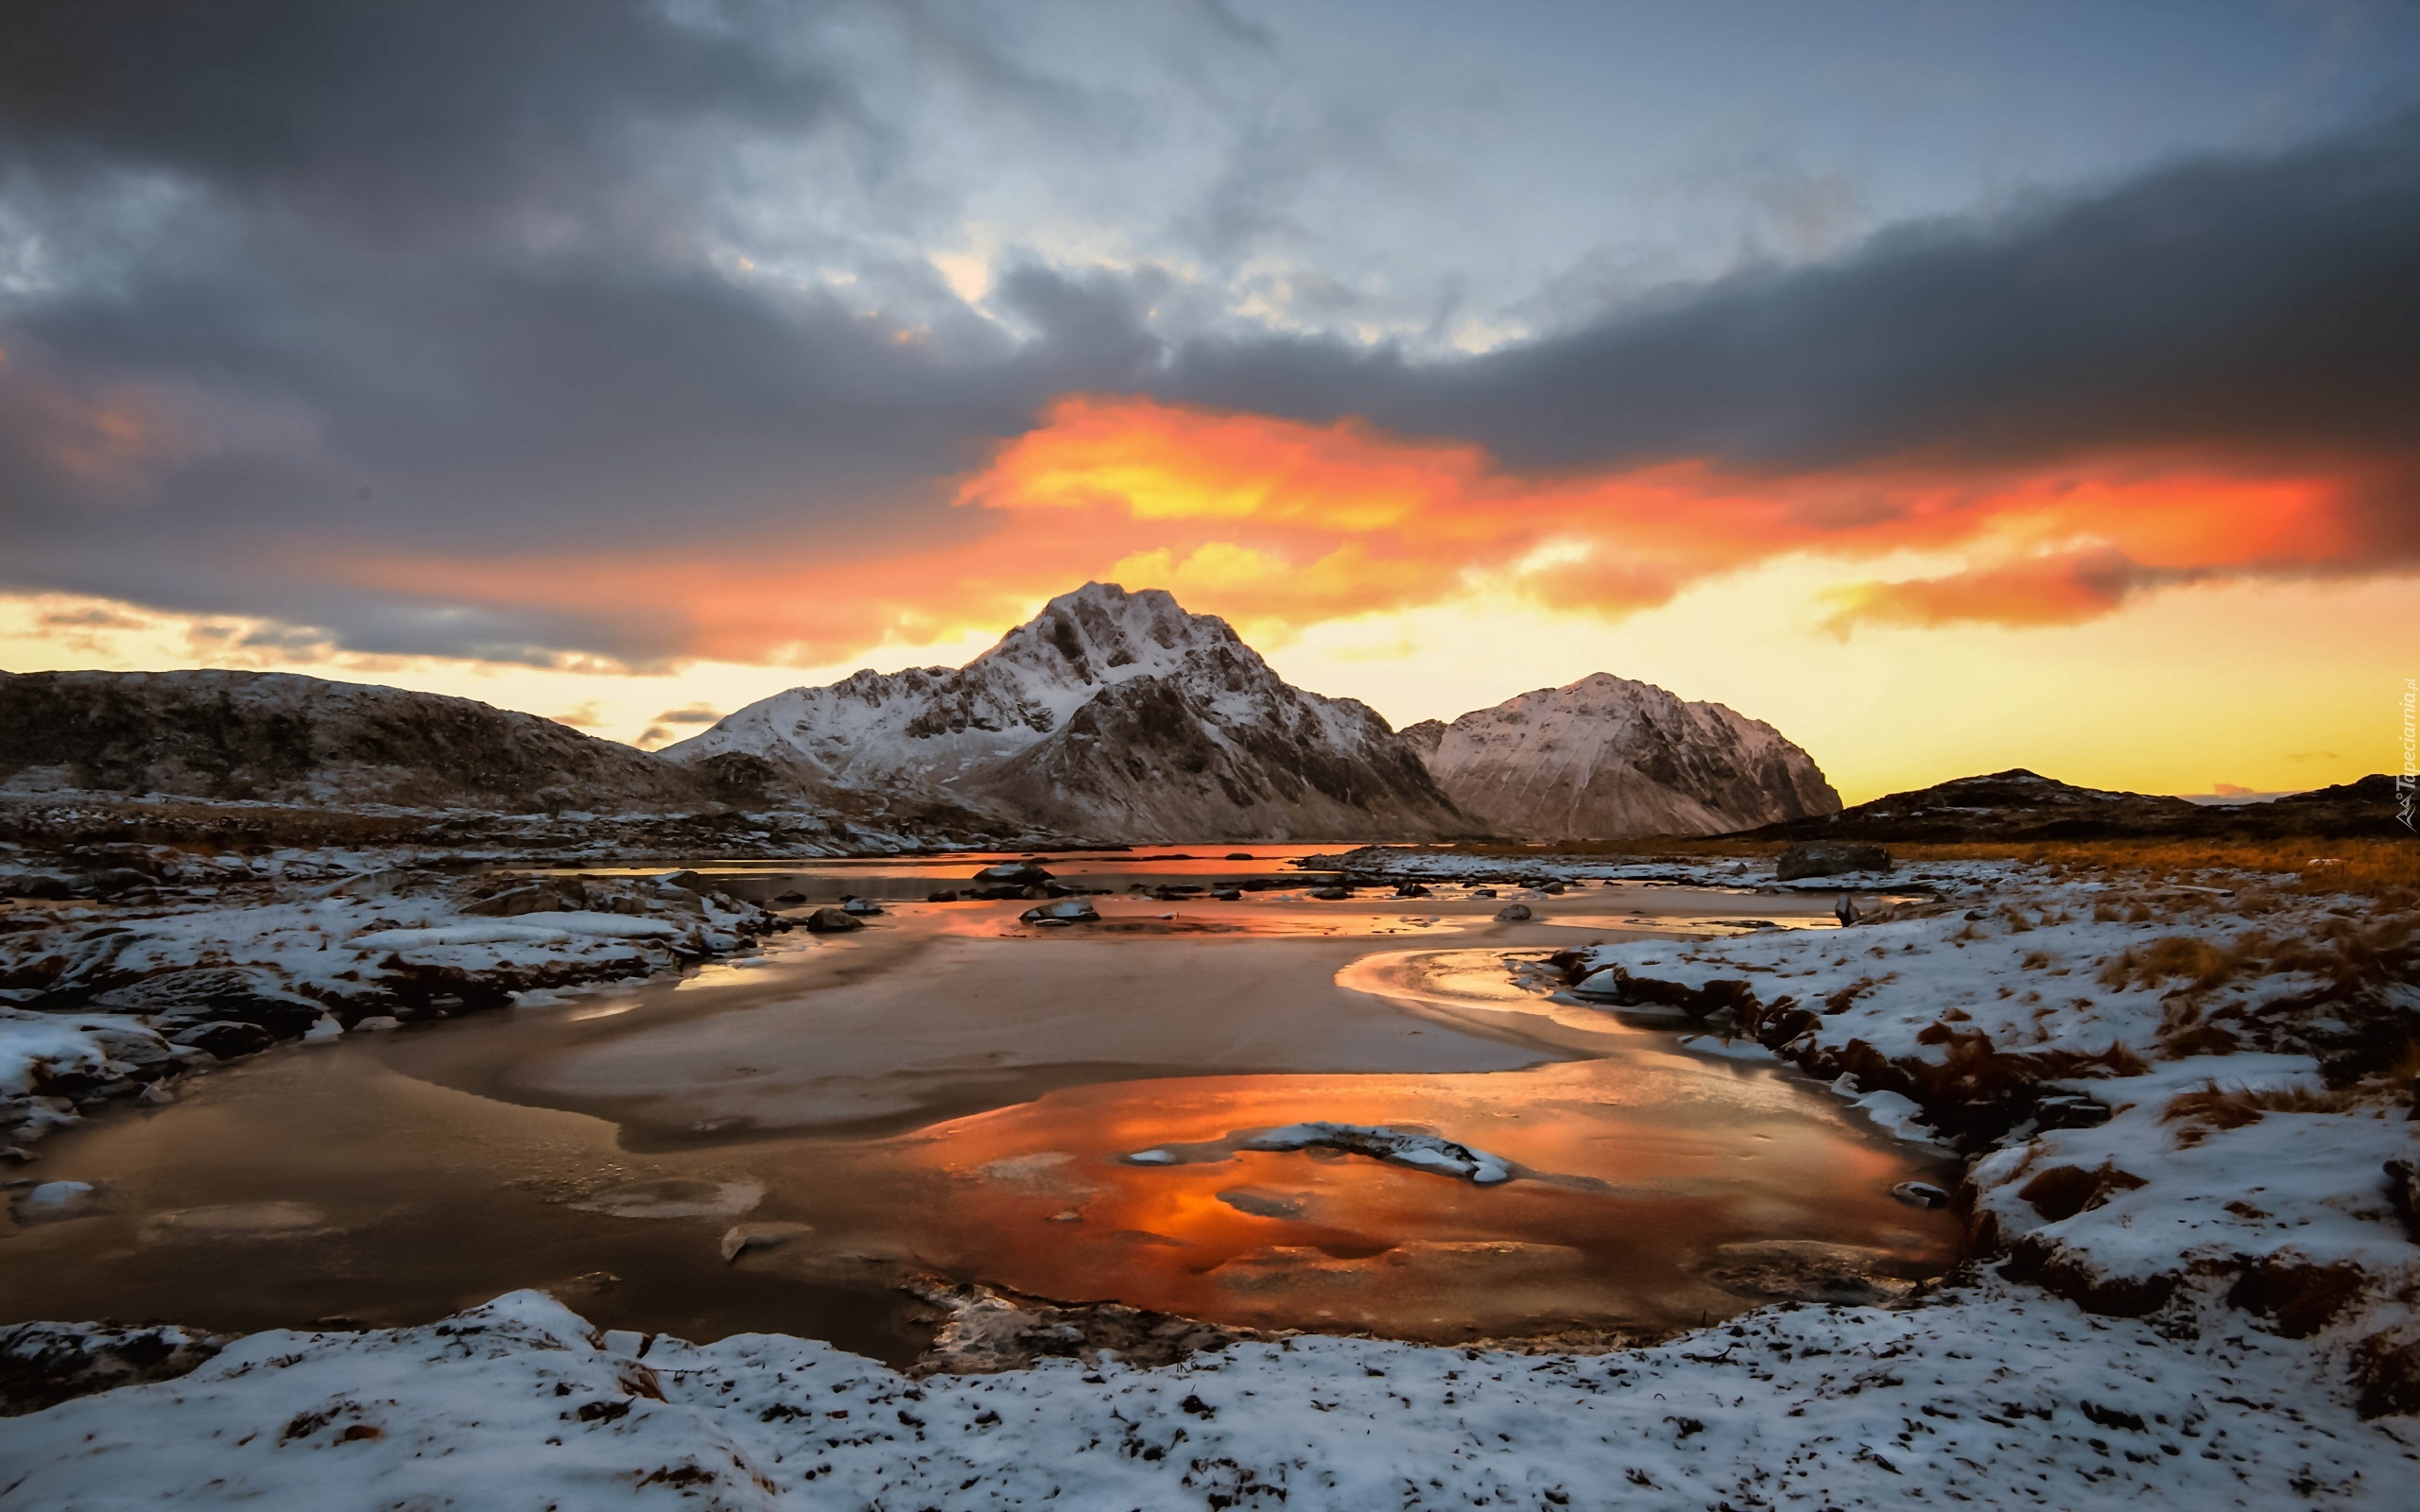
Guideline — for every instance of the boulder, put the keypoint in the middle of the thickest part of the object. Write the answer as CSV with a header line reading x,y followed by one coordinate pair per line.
x,y
1065,911
833,922
226,1040
189,998
1830,858
512,902
944,896
1512,913
1330,894
862,908
1014,874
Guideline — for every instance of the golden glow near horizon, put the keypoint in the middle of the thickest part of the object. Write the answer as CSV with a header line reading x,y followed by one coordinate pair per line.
x,y
2265,686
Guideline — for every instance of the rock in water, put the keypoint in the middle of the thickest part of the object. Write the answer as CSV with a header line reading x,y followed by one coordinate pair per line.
x,y
1109,713
834,921
1512,913
1608,759
1065,911
1830,858
1014,874
1921,1195
53,1201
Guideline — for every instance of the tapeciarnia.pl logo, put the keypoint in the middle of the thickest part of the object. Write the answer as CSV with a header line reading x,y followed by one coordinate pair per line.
x,y
2409,778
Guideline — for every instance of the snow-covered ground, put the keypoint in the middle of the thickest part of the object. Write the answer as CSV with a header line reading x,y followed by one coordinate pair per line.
x,y
105,1000
2188,1115
1995,1395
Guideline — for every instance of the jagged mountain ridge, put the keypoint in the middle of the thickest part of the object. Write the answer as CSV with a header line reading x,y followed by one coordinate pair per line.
x,y
1609,758
278,736
1109,713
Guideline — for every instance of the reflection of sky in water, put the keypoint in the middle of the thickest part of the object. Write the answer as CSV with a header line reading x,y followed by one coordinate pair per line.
x,y
1021,1067
1643,1170
1637,1171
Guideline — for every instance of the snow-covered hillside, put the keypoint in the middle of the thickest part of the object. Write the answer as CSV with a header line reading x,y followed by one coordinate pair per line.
x,y
1606,758
1111,713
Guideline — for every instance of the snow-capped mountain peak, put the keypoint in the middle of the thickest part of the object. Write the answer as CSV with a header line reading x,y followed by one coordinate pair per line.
x,y
1608,758
1109,712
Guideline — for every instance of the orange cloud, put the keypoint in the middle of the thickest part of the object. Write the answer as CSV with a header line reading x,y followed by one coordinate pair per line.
x,y
2061,590
1281,524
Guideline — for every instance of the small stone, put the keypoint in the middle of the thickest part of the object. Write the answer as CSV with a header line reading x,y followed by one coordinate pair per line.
x,y
55,1201
1921,1195
863,907
1330,894
742,1238
1512,913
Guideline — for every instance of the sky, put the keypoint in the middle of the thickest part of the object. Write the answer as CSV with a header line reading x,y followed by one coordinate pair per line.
x,y
1956,385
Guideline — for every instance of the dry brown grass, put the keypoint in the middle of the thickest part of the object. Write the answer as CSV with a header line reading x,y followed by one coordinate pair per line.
x,y
2334,948
2388,870
2206,1109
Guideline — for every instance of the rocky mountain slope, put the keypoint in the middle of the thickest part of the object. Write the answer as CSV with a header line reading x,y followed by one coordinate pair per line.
x,y
279,737
2022,805
1609,758
1109,713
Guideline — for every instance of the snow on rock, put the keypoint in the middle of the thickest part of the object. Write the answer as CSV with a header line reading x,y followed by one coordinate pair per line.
x,y
1412,1147
1605,758
1109,712
1991,1396
110,1003
1424,1152
2176,1097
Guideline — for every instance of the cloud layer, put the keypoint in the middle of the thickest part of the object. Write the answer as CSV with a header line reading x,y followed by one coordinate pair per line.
x,y
550,330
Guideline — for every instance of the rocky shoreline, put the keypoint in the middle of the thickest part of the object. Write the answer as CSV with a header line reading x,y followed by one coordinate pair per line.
x,y
124,968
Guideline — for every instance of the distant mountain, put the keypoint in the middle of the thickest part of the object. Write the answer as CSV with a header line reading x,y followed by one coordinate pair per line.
x,y
2019,805
279,737
1111,715
1609,758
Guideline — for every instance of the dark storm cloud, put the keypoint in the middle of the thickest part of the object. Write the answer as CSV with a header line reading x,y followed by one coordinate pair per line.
x,y
286,282
2234,303
395,110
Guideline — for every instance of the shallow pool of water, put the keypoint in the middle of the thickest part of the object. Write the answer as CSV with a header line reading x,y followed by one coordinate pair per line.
x,y
951,1091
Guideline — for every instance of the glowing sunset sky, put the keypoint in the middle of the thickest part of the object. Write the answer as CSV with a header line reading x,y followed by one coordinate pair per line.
x,y
1956,385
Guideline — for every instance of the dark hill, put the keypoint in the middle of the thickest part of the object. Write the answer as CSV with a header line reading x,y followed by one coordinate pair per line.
x,y
283,738
2019,805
